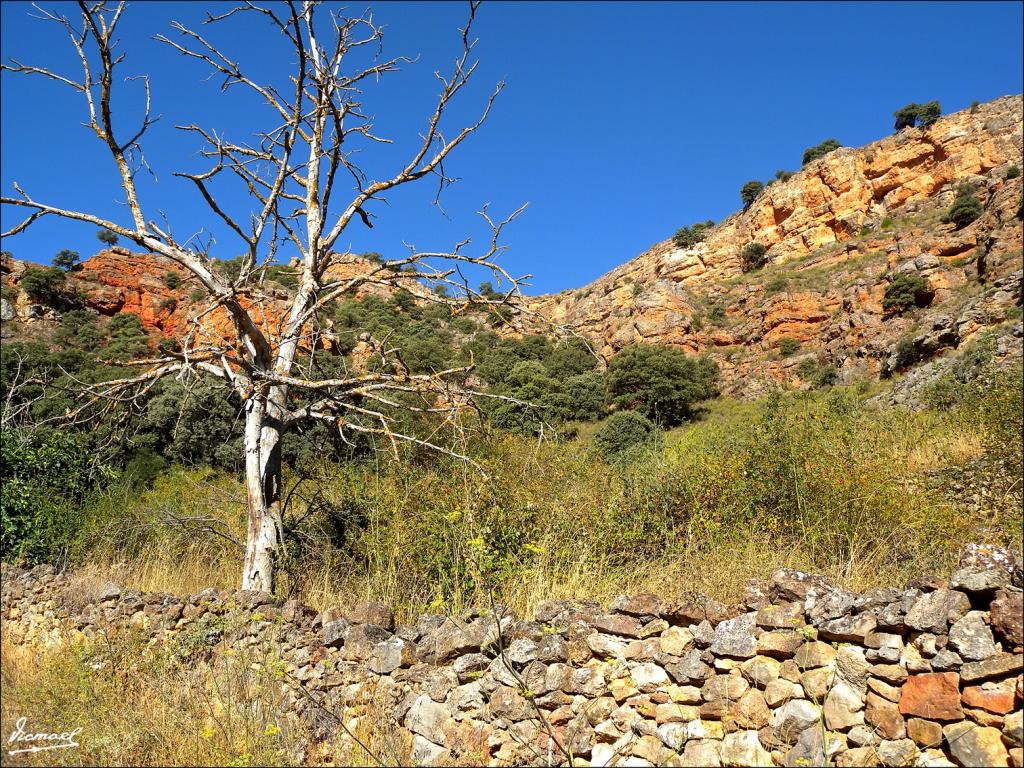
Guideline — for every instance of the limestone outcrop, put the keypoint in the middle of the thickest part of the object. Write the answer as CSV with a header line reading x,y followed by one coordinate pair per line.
x,y
836,232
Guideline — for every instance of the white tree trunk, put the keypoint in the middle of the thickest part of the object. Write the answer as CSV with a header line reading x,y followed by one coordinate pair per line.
x,y
263,491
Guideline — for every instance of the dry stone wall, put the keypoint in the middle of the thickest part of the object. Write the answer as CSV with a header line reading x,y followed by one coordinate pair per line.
x,y
801,673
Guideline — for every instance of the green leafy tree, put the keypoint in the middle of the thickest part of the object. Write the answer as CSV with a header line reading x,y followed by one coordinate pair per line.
x,y
788,346
128,338
586,397
928,113
753,257
750,191
107,237
693,234
662,383
623,433
43,283
906,292
917,114
813,153
966,207
66,260
783,175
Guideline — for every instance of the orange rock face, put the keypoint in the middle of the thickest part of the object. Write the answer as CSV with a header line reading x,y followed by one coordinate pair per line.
x,y
933,696
835,232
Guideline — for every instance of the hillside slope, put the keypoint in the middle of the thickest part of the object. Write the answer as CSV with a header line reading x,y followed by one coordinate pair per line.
x,y
836,233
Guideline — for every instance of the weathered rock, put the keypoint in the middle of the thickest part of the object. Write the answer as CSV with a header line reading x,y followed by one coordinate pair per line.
x,y
991,696
971,637
848,629
935,611
392,654
784,616
814,654
690,669
997,666
428,718
792,718
885,716
1013,728
676,641
735,637
933,696
648,677
637,605
743,748
780,644
361,640
333,628
760,670
788,585
373,613
897,752
702,752
1007,617
972,745
925,733
982,581
843,707
780,691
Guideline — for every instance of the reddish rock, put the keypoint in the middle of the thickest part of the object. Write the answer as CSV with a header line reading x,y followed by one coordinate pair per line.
x,y
1007,617
994,697
933,696
885,717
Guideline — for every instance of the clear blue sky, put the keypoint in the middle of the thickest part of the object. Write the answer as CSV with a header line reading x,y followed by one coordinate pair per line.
x,y
619,124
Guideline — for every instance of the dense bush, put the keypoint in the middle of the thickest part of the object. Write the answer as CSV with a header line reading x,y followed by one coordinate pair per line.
x,y
107,237
66,260
966,207
693,234
43,283
46,475
172,280
905,292
917,114
623,432
813,153
783,175
753,257
788,346
750,191
1012,172
662,383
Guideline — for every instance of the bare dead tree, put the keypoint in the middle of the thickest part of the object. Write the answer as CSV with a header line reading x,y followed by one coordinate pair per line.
x,y
292,173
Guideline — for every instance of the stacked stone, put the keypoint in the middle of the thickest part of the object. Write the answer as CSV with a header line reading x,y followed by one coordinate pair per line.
x,y
801,673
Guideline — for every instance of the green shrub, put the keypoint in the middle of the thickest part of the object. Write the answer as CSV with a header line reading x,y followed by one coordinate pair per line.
x,y
660,382
624,432
813,153
750,191
172,280
196,294
905,354
637,289
806,369
975,107
43,283
753,257
107,237
46,475
586,396
775,285
128,338
1012,172
966,207
917,114
695,233
66,260
784,175
788,346
905,292
716,313
887,223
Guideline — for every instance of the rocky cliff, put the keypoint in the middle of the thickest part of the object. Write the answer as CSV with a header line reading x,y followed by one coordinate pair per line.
x,y
802,673
836,234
